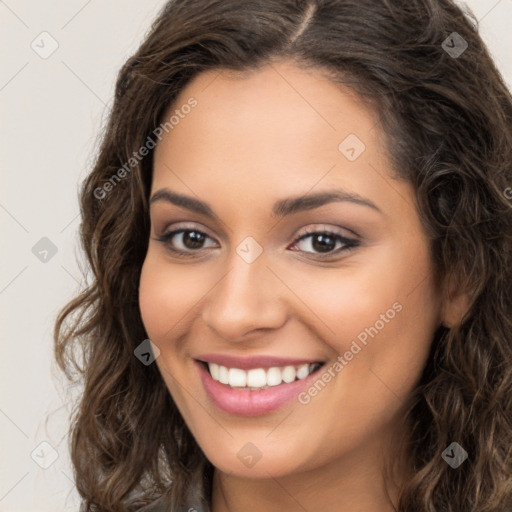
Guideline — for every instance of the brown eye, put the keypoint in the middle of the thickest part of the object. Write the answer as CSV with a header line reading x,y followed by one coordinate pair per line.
x,y
191,242
184,241
325,242
192,239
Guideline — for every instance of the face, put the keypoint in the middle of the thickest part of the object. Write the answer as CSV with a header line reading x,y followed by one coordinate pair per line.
x,y
259,268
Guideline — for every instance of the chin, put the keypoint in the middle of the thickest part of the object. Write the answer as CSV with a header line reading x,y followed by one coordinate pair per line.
x,y
268,466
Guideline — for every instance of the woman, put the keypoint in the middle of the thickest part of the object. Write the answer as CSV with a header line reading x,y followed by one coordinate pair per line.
x,y
303,205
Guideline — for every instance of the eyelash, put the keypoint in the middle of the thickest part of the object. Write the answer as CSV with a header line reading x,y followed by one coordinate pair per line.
x,y
348,243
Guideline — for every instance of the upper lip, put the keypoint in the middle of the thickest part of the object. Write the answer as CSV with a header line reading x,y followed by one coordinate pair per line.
x,y
248,363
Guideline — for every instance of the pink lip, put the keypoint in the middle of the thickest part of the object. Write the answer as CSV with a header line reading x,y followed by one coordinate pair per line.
x,y
247,402
248,363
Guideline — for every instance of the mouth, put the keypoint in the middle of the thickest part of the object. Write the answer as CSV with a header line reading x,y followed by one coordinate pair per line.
x,y
260,378
256,390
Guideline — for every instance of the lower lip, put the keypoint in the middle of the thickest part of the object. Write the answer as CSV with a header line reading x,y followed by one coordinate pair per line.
x,y
247,402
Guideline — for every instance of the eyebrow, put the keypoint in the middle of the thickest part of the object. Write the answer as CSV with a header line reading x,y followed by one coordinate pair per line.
x,y
281,208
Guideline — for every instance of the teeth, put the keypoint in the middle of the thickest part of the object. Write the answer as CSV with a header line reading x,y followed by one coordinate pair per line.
x,y
237,378
274,376
260,378
289,374
303,371
223,375
256,378
214,370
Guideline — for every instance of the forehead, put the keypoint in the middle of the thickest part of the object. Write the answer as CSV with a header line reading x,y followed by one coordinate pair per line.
x,y
276,131
276,105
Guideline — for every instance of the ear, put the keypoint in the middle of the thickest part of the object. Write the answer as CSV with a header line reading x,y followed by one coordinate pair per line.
x,y
456,302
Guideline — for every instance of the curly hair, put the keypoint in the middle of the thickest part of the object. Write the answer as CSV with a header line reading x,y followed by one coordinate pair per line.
x,y
447,120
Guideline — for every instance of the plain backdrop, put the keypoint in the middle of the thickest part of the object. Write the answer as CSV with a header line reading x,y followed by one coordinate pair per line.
x,y
52,109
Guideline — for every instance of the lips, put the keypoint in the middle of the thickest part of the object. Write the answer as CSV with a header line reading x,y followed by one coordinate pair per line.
x,y
250,402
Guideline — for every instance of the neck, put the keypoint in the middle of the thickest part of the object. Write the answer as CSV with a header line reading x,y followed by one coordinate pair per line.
x,y
352,482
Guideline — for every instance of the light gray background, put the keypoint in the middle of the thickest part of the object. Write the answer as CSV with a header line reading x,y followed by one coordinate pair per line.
x,y
52,110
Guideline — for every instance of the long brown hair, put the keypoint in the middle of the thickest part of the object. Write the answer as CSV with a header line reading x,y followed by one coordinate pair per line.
x,y
447,120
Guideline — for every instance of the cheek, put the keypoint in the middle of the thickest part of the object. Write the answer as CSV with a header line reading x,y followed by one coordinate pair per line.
x,y
381,314
368,290
155,301
164,299
165,296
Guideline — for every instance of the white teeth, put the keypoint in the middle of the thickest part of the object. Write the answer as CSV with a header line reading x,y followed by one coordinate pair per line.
x,y
214,370
260,378
237,378
274,376
223,375
289,374
256,378
303,371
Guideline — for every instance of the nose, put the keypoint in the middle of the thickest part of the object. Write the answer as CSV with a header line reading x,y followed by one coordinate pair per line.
x,y
248,298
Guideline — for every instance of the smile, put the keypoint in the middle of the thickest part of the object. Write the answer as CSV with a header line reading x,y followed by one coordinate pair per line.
x,y
260,378
256,390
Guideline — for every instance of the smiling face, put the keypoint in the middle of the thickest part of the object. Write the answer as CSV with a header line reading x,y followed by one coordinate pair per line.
x,y
346,280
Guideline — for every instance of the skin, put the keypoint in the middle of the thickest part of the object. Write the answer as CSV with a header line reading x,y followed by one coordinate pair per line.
x,y
250,141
